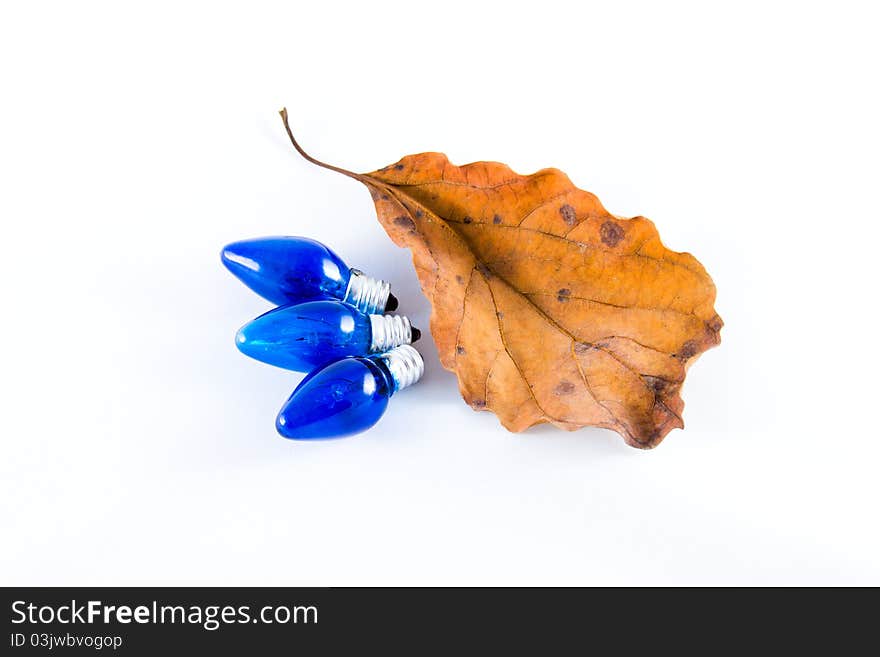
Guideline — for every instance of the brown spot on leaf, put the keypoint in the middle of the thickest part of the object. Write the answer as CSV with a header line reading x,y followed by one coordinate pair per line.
x,y
563,295
611,233
569,216
467,220
654,437
460,350
499,315
716,324
405,222
496,219
459,279
484,270
419,214
479,404
688,350
398,167
582,347
564,388
659,386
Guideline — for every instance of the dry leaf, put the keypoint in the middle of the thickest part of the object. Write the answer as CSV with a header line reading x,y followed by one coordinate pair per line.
x,y
547,307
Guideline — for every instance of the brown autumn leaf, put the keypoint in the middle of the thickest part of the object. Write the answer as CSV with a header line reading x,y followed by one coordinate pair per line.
x,y
547,307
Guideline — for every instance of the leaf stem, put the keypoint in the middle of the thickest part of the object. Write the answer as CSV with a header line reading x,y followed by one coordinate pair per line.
x,y
299,149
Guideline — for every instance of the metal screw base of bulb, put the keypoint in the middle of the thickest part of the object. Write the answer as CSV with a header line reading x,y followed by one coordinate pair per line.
x,y
405,364
369,295
389,331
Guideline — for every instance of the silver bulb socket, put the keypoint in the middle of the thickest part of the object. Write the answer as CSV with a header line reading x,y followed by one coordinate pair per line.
x,y
369,295
389,331
405,364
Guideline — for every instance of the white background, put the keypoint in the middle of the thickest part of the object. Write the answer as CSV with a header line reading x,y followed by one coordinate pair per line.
x,y
138,445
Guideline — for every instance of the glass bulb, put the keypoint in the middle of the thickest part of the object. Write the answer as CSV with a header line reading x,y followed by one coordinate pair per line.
x,y
303,336
288,270
349,395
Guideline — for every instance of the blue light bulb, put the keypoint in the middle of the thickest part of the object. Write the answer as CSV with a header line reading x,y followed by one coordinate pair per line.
x,y
348,396
303,336
288,270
